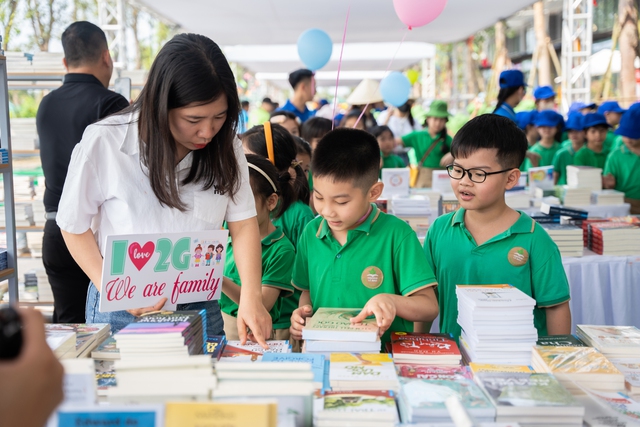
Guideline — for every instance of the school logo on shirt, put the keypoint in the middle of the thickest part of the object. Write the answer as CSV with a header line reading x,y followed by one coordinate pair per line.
x,y
518,256
372,277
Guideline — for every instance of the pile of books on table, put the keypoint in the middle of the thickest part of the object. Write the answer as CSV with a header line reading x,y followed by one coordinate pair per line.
x,y
497,324
578,366
584,177
330,330
518,199
607,197
570,196
614,238
567,237
62,342
373,408
425,349
411,205
87,337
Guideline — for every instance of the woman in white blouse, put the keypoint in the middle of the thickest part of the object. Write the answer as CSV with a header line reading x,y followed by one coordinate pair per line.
x,y
169,163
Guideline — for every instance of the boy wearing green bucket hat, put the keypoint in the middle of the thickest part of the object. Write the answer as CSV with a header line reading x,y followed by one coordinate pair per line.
x,y
432,145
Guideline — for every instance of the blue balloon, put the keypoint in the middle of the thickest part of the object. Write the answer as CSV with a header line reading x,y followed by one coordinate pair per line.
x,y
395,89
314,48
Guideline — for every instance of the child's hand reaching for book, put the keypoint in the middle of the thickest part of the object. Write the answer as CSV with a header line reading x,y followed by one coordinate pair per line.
x,y
383,307
298,320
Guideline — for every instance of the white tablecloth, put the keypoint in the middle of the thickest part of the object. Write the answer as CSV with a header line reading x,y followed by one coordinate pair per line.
x,y
605,290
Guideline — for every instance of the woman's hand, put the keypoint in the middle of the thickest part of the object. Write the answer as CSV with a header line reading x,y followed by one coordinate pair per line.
x,y
253,316
140,311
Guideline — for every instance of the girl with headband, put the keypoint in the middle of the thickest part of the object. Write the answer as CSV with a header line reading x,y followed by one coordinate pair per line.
x,y
169,163
278,253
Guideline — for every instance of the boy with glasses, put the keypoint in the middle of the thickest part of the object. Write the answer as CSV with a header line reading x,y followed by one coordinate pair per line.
x,y
485,241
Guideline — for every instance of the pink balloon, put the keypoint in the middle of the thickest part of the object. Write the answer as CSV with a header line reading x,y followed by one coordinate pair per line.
x,y
416,13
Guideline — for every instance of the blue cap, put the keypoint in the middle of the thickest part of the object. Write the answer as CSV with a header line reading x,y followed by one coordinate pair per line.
x,y
610,107
511,78
595,119
579,105
544,92
548,118
575,121
630,123
525,118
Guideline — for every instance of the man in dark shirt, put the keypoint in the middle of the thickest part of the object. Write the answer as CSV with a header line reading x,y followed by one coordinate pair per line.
x,y
62,118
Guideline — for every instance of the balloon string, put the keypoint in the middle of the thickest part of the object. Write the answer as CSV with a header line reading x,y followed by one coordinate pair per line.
x,y
335,96
385,74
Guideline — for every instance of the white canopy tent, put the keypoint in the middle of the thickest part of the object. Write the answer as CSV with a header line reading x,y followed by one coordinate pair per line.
x,y
261,35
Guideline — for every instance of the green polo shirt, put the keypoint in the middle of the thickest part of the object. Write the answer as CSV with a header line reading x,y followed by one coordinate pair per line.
x,y
587,157
625,167
611,141
458,260
392,161
381,256
421,141
546,154
562,159
292,222
277,257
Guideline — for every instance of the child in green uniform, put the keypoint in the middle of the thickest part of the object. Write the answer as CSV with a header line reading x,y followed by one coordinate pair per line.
x,y
546,123
525,120
485,241
277,251
594,153
622,170
354,255
432,144
294,189
564,156
386,142
613,112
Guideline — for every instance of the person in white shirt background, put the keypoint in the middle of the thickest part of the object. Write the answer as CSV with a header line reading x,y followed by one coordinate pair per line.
x,y
169,163
399,120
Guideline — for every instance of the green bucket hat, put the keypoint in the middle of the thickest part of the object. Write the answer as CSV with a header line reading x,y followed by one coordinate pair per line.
x,y
438,109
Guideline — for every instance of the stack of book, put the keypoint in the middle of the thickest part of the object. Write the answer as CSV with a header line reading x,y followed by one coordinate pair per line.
x,y
612,341
362,371
233,351
411,205
425,349
630,368
584,177
615,238
172,334
159,378
62,342
578,366
531,399
330,330
357,408
518,199
567,237
319,365
570,196
106,350
423,401
588,223
483,312
607,197
560,341
88,337
214,346
555,210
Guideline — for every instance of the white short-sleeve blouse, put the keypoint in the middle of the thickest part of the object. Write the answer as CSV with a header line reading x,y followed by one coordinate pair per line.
x,y
107,189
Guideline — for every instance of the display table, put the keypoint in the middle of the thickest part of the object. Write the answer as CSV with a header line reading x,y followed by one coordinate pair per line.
x,y
605,290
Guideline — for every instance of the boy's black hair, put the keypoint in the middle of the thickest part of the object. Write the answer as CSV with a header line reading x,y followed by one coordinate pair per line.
x,y
492,131
287,114
244,103
315,127
83,43
347,155
605,127
260,186
379,130
302,146
299,75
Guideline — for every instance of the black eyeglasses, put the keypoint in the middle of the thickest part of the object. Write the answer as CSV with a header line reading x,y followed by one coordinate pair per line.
x,y
476,175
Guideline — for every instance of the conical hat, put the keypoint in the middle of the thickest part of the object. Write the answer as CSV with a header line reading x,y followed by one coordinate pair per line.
x,y
367,92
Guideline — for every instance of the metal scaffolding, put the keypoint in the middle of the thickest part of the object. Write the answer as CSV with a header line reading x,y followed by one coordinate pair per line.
x,y
111,18
577,39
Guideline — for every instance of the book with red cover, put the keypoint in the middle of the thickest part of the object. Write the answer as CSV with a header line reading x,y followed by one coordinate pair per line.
x,y
428,372
432,349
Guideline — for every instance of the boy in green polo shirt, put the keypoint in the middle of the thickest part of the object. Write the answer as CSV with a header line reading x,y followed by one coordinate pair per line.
x,y
622,170
386,142
564,156
485,241
546,122
354,255
613,114
594,153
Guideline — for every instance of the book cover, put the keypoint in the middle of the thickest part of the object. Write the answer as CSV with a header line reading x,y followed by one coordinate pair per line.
x,y
331,323
490,367
421,344
105,374
620,403
528,390
630,368
494,296
560,341
245,414
563,210
603,337
85,333
107,350
572,360
361,367
430,395
315,360
214,346
427,372
359,404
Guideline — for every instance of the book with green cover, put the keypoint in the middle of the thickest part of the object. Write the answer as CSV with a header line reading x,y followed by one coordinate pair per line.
x,y
334,324
373,405
561,341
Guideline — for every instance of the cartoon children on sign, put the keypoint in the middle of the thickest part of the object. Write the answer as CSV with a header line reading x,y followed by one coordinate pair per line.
x,y
197,256
219,250
208,256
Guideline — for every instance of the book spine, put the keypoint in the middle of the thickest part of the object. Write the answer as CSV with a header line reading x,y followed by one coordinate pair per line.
x,y
573,213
